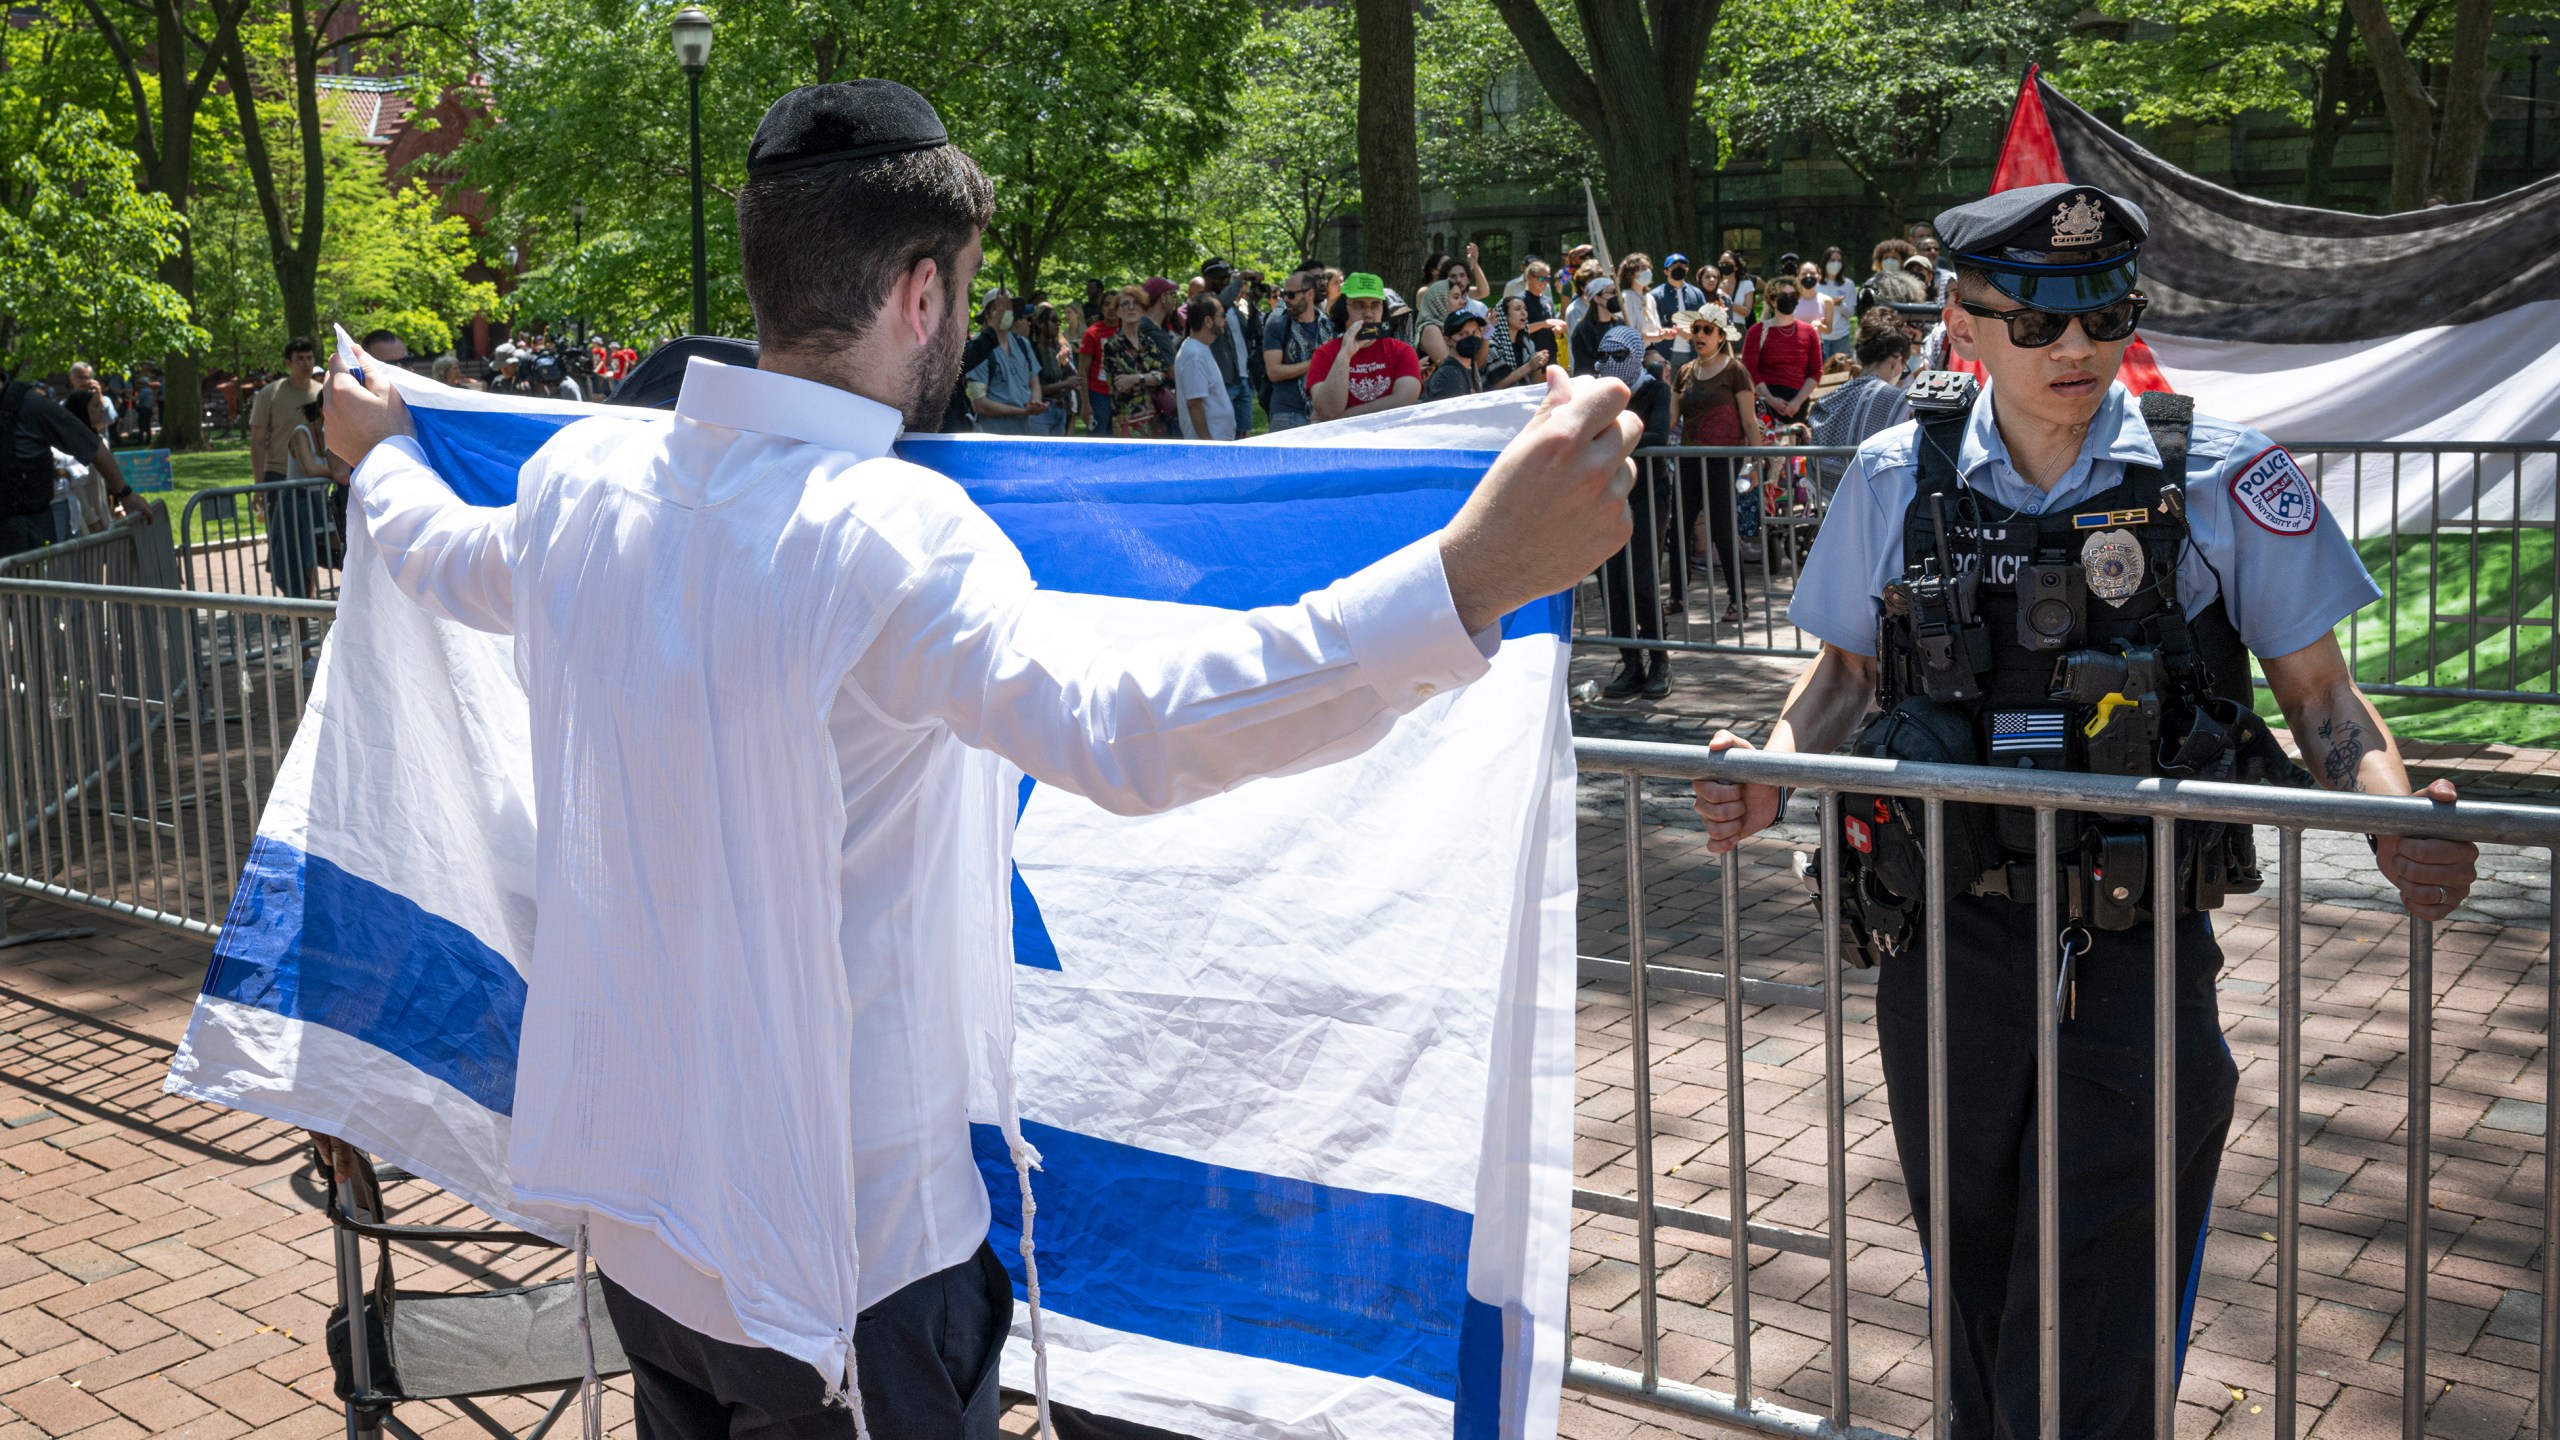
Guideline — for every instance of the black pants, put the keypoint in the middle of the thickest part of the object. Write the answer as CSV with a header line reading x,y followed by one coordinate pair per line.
x,y
26,532
926,1357
1706,483
1632,578
2104,1158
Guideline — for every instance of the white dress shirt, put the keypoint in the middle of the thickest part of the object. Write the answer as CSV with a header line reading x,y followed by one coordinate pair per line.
x,y
779,683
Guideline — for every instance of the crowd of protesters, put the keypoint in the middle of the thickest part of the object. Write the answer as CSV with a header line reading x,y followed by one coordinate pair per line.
x,y
1716,353
1229,352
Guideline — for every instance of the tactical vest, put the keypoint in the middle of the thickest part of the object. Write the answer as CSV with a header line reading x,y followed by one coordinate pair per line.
x,y
2052,642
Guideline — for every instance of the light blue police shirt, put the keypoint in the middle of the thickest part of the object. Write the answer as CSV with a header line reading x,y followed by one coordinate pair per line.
x,y
2285,571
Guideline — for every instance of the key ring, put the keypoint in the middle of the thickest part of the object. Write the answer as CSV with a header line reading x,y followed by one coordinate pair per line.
x,y
2076,941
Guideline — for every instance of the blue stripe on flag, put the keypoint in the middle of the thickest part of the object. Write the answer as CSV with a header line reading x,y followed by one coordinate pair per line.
x,y
1232,526
1031,943
306,940
479,452
1479,1373
1345,1281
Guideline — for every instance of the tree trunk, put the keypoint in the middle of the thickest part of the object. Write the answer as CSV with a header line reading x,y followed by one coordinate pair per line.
x,y
2404,99
181,372
2328,111
1390,158
1644,139
2464,130
295,258
1634,102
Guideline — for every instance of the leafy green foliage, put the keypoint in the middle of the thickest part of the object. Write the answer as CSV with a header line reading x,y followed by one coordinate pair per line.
x,y
1291,162
2204,59
1485,121
394,258
80,248
1895,92
1091,119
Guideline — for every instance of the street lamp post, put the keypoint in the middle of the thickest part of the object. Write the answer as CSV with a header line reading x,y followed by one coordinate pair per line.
x,y
578,243
692,31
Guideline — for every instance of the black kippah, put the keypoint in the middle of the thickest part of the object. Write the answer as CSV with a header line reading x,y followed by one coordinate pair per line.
x,y
849,120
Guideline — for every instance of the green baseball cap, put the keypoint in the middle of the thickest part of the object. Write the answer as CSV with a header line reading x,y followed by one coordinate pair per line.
x,y
1361,285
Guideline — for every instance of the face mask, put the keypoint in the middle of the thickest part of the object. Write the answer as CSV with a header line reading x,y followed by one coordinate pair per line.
x,y
1831,267
1644,277
1469,346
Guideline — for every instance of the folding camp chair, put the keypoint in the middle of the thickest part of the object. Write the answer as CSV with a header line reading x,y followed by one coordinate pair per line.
x,y
460,1346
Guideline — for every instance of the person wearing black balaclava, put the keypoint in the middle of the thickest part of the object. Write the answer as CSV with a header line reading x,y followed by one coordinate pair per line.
x,y
1632,580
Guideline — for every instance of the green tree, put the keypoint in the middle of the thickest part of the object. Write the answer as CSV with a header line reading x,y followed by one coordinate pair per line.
x,y
236,299
2319,63
273,72
2435,143
1093,121
1632,86
1390,159
1289,163
1895,92
1090,119
393,257
1484,119
80,250
168,54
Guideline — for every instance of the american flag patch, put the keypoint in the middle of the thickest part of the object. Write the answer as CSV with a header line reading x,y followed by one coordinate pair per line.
x,y
2026,730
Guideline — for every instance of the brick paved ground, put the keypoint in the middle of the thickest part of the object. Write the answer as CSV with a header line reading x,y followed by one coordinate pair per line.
x,y
164,1269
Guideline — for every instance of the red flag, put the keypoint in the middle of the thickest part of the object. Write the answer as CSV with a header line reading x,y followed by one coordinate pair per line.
x,y
2029,156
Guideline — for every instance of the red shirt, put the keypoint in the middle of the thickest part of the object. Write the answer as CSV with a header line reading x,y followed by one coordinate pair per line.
x,y
1374,371
1785,357
1091,350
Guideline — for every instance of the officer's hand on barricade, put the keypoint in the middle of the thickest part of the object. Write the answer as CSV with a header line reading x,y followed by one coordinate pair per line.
x,y
360,414
1552,507
1733,812
2433,876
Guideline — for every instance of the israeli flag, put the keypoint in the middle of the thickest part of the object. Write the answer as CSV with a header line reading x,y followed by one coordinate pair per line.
x,y
1298,1058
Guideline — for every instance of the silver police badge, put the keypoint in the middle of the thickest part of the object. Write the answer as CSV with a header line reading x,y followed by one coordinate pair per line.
x,y
2112,559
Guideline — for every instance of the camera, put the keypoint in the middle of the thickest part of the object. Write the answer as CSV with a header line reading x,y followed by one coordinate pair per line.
x,y
2051,599
547,369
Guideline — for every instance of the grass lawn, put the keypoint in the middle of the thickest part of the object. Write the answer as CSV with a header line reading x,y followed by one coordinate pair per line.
x,y
225,463
2478,582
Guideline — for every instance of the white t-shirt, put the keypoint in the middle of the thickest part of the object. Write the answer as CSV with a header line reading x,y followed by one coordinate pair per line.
x,y
1195,377
1844,298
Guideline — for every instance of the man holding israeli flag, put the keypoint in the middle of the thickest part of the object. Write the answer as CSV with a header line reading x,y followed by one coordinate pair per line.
x,y
783,689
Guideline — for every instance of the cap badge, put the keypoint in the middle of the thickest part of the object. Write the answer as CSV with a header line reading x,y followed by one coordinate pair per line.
x,y
2078,225
2112,560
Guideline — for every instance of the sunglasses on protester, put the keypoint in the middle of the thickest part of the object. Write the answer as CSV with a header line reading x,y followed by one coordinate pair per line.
x,y
2036,329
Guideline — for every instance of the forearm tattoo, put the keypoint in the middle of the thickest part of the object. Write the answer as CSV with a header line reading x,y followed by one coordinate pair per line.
x,y
2348,744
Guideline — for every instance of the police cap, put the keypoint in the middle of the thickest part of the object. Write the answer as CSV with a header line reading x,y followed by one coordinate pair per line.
x,y
846,120
2061,247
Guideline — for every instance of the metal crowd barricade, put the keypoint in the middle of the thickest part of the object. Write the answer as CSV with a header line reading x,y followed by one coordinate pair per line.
x,y
133,763
2292,812
2459,535
275,537
2453,521
1699,494
127,552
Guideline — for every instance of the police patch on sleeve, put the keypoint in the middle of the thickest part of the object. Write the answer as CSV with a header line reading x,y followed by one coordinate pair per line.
x,y
2273,491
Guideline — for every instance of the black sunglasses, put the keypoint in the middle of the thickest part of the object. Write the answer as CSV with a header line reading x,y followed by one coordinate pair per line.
x,y
2036,329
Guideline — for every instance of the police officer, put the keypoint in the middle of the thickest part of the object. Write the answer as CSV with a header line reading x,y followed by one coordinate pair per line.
x,y
2053,574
